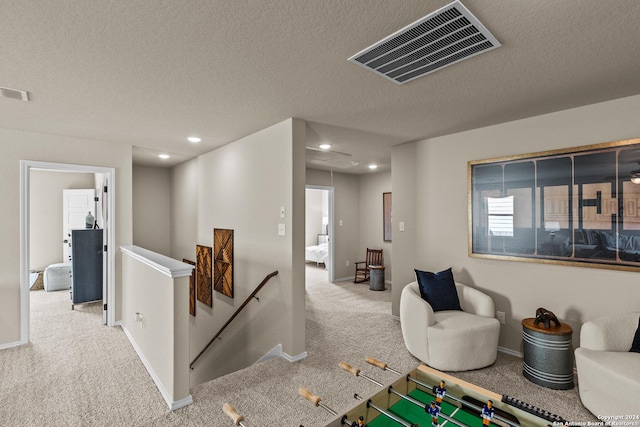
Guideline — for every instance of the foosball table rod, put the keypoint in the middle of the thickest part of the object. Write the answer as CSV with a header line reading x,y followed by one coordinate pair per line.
x,y
381,365
410,399
357,373
390,415
316,400
231,412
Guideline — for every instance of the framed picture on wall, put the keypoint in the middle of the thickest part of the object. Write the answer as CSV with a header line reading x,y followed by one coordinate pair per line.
x,y
573,206
386,217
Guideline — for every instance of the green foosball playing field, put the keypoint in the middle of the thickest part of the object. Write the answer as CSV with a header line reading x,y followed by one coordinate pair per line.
x,y
403,403
417,415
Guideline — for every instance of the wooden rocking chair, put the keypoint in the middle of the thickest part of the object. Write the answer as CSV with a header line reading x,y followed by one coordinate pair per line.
x,y
374,257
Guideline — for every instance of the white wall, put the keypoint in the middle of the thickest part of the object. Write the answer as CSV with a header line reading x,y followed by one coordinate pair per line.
x,y
434,206
242,187
18,146
370,230
152,208
313,215
46,213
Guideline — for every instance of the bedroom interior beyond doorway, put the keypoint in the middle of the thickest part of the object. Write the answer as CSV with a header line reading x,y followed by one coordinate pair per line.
x,y
319,242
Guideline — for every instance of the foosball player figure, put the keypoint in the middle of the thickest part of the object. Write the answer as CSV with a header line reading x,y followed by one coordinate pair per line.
x,y
440,392
359,423
487,413
434,411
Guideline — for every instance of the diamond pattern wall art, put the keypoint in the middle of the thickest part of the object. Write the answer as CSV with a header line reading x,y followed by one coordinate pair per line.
x,y
192,288
223,261
203,274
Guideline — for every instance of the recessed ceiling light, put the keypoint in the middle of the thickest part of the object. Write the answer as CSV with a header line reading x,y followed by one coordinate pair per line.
x,y
325,146
373,166
164,156
194,139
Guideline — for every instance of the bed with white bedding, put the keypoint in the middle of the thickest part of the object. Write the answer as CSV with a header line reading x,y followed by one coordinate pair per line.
x,y
318,253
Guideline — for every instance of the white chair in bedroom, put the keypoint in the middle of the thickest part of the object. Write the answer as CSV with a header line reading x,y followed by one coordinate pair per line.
x,y
450,340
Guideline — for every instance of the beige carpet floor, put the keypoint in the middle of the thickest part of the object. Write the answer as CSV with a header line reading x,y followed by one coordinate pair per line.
x,y
76,372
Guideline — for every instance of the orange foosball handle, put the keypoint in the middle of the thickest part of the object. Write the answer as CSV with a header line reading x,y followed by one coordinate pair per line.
x,y
376,362
349,368
309,396
237,418
315,399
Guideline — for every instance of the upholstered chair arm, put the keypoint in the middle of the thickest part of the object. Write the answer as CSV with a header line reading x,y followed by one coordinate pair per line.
x,y
609,333
419,311
474,301
416,315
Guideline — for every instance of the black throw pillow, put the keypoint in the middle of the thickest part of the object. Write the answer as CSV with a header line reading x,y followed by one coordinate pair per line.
x,y
635,346
438,289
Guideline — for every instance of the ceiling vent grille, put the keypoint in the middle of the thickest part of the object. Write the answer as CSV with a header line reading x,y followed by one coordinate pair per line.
x,y
442,38
21,95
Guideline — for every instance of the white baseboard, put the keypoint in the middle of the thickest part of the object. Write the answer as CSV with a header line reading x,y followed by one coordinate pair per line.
x,y
509,351
277,352
295,358
394,317
344,279
273,353
11,344
173,404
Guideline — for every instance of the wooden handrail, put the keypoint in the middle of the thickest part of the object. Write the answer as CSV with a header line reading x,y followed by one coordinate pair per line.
x,y
244,304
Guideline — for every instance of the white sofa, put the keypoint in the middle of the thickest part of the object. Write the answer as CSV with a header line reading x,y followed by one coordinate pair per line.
x,y
450,340
608,374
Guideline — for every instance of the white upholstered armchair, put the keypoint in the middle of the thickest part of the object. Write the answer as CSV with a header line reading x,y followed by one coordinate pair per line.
x,y
450,340
608,373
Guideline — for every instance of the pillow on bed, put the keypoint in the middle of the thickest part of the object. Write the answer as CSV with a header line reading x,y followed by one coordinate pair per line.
x,y
635,346
438,289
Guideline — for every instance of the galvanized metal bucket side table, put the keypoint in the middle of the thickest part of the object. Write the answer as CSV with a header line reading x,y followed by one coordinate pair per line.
x,y
376,278
548,354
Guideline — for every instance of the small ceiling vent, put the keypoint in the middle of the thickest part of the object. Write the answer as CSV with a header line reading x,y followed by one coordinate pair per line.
x,y
21,95
440,39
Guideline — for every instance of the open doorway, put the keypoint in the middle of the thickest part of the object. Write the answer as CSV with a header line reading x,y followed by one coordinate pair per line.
x,y
319,242
104,181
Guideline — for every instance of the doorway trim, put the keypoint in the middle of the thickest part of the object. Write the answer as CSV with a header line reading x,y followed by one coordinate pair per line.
x,y
331,226
25,191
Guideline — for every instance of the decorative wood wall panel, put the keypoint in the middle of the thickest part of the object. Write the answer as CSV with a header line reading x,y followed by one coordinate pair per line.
x,y
223,261
192,288
203,275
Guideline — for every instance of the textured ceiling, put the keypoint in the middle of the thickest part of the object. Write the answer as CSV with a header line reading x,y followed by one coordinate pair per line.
x,y
149,73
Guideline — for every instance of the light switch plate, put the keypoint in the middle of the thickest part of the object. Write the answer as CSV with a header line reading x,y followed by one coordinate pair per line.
x,y
401,226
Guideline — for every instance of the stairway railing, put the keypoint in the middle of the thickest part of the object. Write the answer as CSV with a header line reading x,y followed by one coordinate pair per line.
x,y
244,304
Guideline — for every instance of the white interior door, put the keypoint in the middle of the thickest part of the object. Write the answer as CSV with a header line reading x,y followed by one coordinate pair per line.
x,y
75,206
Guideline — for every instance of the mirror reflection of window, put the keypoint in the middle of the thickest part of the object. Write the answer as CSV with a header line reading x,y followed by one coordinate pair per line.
x,y
500,216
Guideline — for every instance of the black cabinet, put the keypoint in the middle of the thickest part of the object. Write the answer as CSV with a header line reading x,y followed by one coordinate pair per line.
x,y
86,256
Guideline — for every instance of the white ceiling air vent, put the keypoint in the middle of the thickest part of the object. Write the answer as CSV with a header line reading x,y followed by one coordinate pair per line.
x,y
441,38
21,95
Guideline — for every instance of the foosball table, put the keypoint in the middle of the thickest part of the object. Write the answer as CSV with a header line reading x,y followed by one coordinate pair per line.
x,y
411,400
